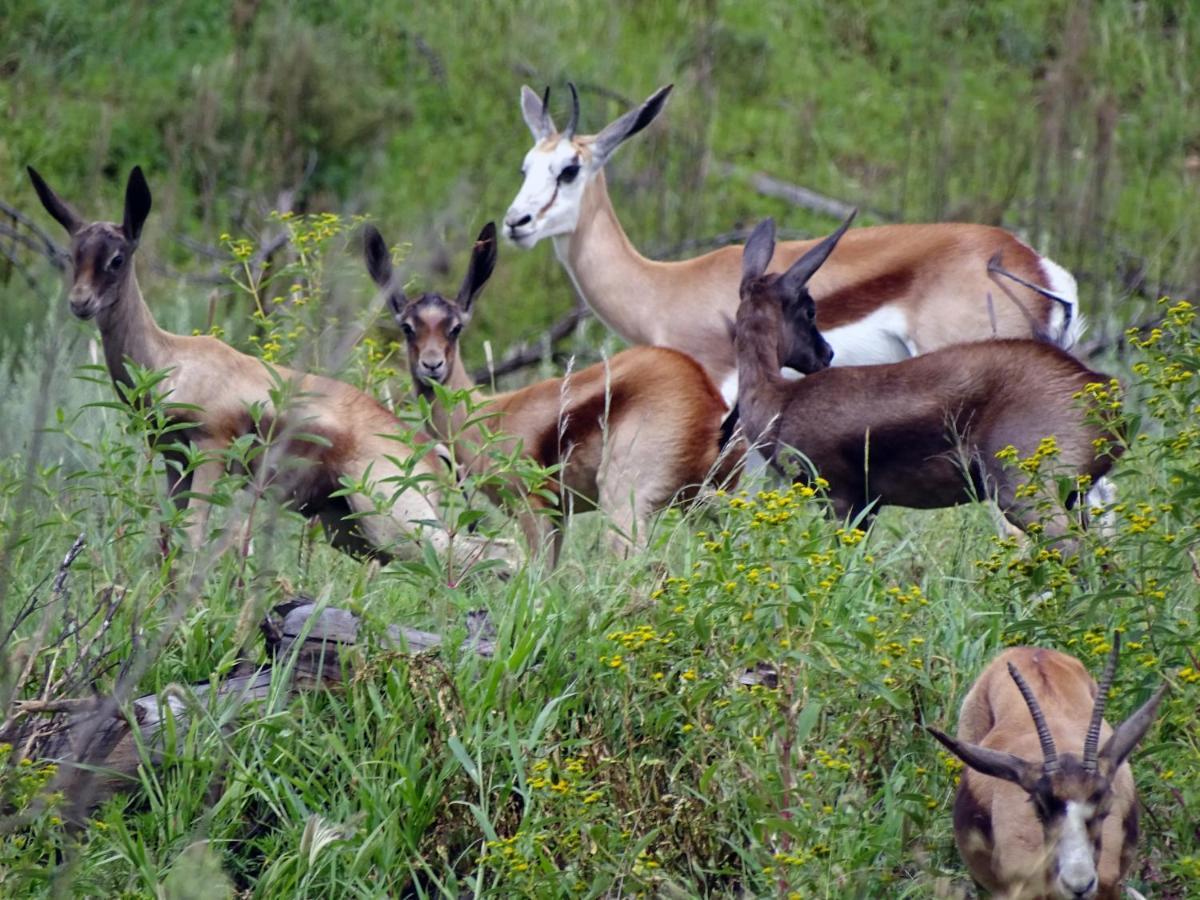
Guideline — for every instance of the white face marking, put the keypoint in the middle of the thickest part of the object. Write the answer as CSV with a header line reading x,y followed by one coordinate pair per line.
x,y
881,337
1076,862
547,206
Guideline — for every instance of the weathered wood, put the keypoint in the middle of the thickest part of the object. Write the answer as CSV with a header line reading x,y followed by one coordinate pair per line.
x,y
100,747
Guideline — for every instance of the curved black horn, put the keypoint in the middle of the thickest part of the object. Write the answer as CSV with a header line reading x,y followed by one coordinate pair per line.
x,y
1049,753
574,120
1092,743
546,126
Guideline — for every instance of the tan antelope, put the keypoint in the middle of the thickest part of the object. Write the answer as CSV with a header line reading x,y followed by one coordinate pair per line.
x,y
631,435
888,293
329,431
1045,810
921,433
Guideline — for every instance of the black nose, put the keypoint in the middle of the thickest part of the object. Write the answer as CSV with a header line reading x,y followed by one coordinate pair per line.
x,y
1083,891
524,220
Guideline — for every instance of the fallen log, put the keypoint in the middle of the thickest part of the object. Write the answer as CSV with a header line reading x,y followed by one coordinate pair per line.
x,y
99,746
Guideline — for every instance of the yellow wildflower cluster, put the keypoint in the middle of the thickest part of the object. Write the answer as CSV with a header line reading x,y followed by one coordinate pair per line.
x,y
904,597
1102,395
673,585
827,760
542,778
645,863
640,636
1189,675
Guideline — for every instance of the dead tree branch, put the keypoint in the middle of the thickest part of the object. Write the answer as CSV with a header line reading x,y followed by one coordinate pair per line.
x,y
96,737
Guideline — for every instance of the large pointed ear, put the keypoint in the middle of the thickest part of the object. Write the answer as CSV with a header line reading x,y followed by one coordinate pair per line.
x,y
996,763
137,205
629,124
1118,747
803,269
483,261
377,255
536,111
759,249
56,206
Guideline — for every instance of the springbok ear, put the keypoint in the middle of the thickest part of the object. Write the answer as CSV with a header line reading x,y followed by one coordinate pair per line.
x,y
137,205
629,124
58,208
759,249
378,257
483,261
536,111
1127,735
396,302
996,763
803,269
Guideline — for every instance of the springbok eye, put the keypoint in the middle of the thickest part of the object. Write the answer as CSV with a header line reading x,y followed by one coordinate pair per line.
x,y
116,262
568,174
454,332
407,328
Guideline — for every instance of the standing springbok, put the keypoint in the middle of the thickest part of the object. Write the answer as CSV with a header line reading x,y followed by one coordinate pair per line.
x,y
1045,811
630,435
922,433
890,292
327,432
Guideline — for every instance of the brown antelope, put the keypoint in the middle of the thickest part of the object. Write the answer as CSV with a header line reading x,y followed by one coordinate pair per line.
x,y
888,293
1045,811
631,435
328,432
922,433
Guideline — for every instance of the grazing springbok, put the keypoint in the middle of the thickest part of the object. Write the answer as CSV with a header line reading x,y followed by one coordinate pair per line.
x,y
630,435
922,433
329,431
1043,810
888,293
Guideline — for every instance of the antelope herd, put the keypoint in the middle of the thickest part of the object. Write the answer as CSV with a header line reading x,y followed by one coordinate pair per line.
x,y
921,352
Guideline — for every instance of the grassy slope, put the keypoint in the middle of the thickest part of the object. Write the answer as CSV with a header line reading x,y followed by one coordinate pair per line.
x,y
588,772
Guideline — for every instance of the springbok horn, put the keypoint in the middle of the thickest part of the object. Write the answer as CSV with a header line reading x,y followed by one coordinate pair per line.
x,y
1092,743
574,121
1049,753
546,110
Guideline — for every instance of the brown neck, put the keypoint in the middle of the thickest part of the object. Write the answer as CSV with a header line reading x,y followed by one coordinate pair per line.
x,y
606,268
759,383
129,332
451,425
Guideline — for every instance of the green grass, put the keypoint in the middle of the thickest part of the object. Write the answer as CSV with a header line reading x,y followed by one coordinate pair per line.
x,y
566,766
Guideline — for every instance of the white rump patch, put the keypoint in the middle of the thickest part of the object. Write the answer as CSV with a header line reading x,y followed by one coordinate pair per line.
x,y
881,337
1062,284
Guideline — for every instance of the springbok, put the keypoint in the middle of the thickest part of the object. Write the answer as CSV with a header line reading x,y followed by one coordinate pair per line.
x,y
1043,810
921,433
328,432
630,435
890,292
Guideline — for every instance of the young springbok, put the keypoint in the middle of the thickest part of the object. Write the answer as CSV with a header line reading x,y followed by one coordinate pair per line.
x,y
1043,810
922,433
888,293
327,432
631,435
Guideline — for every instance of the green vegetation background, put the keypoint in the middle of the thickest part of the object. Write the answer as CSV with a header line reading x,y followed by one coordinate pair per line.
x,y
607,750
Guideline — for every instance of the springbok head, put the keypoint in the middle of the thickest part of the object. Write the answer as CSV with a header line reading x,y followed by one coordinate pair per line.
x,y
101,252
1071,795
561,163
801,346
431,323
